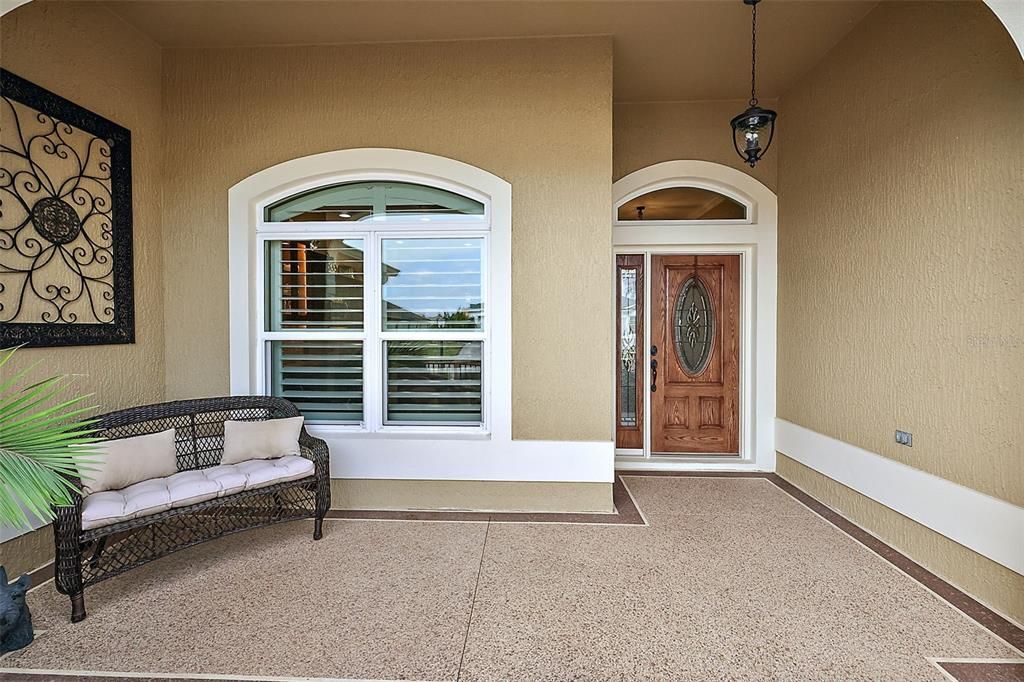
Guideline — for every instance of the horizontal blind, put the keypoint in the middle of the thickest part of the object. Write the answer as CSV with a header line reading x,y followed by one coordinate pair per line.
x,y
323,378
432,284
434,382
316,284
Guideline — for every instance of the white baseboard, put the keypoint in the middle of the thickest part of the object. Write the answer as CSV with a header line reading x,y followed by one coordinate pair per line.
x,y
991,527
469,459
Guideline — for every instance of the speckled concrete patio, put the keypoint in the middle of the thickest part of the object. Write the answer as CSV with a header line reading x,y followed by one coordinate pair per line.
x,y
732,579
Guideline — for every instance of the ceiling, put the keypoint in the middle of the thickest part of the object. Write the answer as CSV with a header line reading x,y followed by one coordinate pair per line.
x,y
670,50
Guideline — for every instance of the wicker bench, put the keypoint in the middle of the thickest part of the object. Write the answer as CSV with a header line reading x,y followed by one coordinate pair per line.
x,y
88,553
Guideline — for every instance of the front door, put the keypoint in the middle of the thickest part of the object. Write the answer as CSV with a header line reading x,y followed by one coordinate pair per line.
x,y
695,354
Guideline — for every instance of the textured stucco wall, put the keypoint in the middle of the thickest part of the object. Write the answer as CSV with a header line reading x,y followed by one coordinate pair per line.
x,y
992,583
900,278
535,112
900,244
86,54
647,133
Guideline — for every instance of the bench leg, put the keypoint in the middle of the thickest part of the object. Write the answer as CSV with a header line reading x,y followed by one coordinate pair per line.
x,y
77,607
318,528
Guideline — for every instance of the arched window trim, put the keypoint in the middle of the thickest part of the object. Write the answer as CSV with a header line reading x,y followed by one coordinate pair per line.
x,y
249,231
748,203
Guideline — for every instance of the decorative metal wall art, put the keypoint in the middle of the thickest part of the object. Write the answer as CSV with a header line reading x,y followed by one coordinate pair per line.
x,y
65,222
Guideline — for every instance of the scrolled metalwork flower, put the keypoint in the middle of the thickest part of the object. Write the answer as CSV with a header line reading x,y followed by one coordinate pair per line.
x,y
56,243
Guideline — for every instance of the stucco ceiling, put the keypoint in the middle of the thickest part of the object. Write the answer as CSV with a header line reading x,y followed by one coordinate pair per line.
x,y
664,51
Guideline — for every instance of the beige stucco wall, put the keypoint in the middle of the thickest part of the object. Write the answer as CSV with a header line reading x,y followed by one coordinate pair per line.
x,y
900,244
651,132
84,53
498,496
900,278
535,112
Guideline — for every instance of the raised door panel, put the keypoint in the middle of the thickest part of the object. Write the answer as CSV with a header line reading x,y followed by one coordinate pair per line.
x,y
695,331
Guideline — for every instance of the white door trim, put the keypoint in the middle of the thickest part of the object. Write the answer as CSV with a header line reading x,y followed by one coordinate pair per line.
x,y
755,240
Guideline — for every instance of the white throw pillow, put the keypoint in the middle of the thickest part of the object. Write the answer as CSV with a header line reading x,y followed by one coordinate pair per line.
x,y
122,462
261,440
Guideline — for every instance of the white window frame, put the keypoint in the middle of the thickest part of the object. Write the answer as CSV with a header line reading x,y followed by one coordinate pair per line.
x,y
373,336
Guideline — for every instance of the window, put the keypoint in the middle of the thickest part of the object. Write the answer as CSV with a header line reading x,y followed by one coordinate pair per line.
x,y
682,203
374,201
630,344
375,306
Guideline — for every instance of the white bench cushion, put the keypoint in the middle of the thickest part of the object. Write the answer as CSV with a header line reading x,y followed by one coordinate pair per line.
x,y
188,487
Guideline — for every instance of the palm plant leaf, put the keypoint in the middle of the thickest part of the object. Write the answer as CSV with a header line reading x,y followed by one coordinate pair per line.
x,y
44,446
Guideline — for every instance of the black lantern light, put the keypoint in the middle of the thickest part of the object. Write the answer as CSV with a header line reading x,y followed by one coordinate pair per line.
x,y
753,130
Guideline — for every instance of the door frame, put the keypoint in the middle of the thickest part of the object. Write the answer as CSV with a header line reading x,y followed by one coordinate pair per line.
x,y
755,240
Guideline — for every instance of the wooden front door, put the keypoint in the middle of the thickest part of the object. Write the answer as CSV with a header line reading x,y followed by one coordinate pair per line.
x,y
695,354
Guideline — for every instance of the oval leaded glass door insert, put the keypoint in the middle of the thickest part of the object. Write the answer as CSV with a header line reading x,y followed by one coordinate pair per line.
x,y
694,325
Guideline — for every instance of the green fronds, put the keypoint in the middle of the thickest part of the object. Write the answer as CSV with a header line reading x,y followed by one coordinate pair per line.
x,y
43,444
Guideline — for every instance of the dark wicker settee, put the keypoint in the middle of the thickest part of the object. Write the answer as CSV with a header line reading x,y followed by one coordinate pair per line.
x,y
85,557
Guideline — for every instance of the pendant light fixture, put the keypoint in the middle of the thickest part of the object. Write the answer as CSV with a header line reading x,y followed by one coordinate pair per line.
x,y
753,130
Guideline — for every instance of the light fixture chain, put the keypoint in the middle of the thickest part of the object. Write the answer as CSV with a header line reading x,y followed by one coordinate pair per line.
x,y
753,55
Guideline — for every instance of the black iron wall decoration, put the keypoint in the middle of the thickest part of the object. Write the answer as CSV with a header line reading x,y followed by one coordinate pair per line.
x,y
65,222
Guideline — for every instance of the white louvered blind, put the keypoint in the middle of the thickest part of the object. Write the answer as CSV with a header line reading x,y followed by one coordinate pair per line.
x,y
430,382
433,285
316,284
323,378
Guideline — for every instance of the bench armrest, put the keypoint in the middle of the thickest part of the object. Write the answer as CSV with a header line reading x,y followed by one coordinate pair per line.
x,y
315,450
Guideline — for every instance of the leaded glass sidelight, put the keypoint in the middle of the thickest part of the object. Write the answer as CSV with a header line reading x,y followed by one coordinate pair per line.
x,y
627,346
694,326
629,351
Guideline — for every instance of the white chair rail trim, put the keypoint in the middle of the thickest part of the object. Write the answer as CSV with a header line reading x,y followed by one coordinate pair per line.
x,y
989,526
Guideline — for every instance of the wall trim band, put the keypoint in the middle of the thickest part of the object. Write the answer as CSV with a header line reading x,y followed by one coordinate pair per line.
x,y
989,526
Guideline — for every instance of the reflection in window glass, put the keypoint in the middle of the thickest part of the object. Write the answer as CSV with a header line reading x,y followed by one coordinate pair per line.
x,y
682,203
434,382
375,201
315,284
432,284
323,378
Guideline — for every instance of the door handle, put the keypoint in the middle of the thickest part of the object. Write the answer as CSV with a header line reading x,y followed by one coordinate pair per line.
x,y
654,369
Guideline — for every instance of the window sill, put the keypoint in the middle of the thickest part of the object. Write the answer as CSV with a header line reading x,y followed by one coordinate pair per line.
x,y
399,434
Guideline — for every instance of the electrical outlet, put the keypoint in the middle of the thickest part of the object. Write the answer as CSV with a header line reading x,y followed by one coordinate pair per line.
x,y
905,438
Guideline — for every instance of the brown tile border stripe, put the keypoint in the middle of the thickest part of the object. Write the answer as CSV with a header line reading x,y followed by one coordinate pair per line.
x,y
93,677
626,513
983,671
1001,627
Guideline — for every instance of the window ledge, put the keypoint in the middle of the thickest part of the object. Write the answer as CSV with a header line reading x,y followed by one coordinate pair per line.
x,y
401,434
